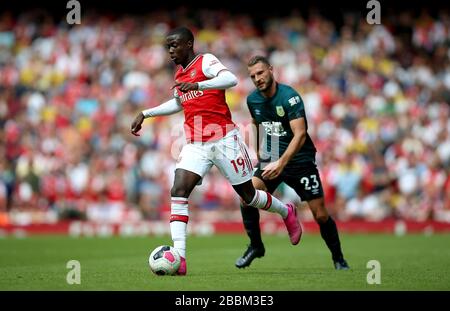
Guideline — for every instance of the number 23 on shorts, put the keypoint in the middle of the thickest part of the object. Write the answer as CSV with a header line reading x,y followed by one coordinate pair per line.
x,y
306,181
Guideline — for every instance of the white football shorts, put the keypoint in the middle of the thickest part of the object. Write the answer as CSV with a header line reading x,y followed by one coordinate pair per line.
x,y
229,154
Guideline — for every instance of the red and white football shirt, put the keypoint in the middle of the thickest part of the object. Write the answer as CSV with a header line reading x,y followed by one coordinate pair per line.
x,y
207,116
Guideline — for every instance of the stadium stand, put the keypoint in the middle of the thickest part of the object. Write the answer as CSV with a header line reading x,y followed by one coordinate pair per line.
x,y
377,97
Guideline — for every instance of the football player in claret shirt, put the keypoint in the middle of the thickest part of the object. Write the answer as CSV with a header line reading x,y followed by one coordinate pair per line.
x,y
288,155
213,138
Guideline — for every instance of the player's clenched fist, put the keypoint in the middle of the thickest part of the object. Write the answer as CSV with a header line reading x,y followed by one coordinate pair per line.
x,y
137,124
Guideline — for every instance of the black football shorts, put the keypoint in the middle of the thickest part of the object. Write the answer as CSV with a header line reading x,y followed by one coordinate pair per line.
x,y
304,179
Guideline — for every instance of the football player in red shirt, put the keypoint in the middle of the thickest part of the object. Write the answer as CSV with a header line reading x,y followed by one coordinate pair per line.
x,y
213,138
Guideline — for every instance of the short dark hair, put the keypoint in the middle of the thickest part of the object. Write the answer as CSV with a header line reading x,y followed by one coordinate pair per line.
x,y
258,59
184,33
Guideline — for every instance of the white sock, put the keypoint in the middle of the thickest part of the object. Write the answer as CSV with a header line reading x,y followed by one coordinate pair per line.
x,y
178,224
268,202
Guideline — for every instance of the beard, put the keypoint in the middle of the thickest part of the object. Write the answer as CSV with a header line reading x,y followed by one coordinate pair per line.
x,y
266,86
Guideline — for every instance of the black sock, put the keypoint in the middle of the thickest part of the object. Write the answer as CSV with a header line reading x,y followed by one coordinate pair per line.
x,y
250,216
330,234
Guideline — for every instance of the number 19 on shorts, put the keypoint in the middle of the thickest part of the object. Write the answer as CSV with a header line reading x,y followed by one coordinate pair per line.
x,y
239,163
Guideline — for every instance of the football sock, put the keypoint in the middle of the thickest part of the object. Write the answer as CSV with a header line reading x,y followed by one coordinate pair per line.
x,y
178,224
250,216
329,233
268,202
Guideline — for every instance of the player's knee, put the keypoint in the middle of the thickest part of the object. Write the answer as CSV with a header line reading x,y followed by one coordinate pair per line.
x,y
246,191
318,210
179,192
321,219
246,199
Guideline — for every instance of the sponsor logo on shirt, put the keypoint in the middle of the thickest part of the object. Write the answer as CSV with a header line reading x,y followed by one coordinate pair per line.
x,y
274,128
213,62
190,95
193,72
294,100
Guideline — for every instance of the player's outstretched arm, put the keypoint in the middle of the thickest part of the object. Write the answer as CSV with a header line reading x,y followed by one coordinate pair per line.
x,y
169,107
224,80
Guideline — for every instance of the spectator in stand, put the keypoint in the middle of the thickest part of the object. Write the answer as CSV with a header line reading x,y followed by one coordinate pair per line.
x,y
61,90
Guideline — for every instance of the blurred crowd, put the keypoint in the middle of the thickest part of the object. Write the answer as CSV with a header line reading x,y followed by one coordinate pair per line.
x,y
376,97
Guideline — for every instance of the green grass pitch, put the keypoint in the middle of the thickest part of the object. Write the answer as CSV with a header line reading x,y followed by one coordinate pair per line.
x,y
411,262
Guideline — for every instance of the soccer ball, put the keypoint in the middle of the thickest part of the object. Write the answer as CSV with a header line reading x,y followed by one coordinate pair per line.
x,y
164,260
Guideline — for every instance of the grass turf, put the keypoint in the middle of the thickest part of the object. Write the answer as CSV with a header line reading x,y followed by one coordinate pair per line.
x,y
412,262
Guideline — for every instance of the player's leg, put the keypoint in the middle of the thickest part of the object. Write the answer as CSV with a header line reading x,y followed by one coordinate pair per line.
x,y
309,187
184,183
264,200
250,218
192,165
232,159
328,231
